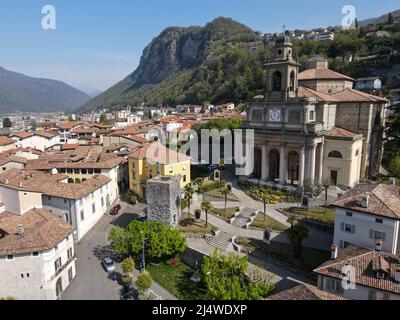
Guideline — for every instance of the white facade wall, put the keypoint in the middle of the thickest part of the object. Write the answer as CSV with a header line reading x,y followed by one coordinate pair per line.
x,y
70,210
360,292
11,165
364,223
28,277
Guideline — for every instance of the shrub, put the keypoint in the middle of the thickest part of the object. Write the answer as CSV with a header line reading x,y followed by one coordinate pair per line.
x,y
143,282
211,186
128,265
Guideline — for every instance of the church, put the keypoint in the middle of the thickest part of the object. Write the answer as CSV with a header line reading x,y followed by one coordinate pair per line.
x,y
312,126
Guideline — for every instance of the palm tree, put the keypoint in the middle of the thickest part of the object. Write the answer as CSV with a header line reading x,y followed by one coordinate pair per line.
x,y
326,185
264,198
221,164
296,235
206,206
189,195
292,220
225,192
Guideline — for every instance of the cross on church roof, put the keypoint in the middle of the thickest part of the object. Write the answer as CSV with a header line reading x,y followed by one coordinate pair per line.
x,y
284,29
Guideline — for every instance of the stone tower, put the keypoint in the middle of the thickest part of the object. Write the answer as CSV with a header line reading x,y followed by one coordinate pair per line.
x,y
282,72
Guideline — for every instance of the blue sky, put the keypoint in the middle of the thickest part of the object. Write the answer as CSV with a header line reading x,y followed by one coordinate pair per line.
x,y
97,43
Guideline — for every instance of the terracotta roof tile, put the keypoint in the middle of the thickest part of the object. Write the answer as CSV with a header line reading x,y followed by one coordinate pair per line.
x,y
42,231
158,153
340,132
307,92
383,200
322,74
305,292
351,95
4,141
364,262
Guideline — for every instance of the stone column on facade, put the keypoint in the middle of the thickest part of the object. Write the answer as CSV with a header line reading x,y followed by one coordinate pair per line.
x,y
321,163
302,166
283,165
312,153
265,163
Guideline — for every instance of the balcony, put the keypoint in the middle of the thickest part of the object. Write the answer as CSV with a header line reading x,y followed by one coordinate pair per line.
x,y
60,270
304,128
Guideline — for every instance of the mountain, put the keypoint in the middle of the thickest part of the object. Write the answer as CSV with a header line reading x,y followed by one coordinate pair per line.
x,y
220,62
223,62
19,92
379,20
92,92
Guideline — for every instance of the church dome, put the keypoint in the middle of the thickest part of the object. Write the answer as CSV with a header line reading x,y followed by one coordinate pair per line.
x,y
283,39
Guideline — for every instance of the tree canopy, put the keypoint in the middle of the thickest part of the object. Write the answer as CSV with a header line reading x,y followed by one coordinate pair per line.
x,y
7,123
161,240
226,278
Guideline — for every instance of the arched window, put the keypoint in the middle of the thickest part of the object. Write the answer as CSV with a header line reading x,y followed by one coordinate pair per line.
x,y
292,75
335,154
70,180
77,181
277,81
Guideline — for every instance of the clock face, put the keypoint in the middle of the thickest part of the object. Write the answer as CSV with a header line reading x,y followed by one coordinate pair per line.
x,y
275,115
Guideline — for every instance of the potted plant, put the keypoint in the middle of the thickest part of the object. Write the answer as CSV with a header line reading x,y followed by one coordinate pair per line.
x,y
143,285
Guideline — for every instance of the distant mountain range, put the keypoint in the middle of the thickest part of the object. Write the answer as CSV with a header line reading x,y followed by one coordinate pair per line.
x,y
220,62
19,92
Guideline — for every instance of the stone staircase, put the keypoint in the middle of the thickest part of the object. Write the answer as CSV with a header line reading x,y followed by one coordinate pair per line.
x,y
221,240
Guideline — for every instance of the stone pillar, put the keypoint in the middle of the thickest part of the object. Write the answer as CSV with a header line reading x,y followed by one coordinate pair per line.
x,y
312,153
265,163
302,167
321,163
283,165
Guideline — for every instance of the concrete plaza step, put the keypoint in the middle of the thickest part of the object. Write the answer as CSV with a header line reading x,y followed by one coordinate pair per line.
x,y
221,240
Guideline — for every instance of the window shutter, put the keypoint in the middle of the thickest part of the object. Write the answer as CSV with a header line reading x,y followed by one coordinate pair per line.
x,y
371,234
383,236
342,226
353,229
341,244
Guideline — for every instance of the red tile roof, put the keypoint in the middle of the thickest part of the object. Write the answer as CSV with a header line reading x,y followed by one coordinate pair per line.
x,y
4,141
304,292
322,74
366,262
307,92
158,153
351,95
340,132
383,200
42,231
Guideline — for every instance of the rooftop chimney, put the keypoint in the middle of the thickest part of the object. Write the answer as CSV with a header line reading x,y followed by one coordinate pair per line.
x,y
334,252
378,245
21,231
365,201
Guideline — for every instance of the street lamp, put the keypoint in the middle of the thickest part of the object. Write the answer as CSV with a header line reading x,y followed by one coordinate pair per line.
x,y
143,255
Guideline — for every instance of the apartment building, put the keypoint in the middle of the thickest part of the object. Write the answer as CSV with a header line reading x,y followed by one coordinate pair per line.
x,y
368,214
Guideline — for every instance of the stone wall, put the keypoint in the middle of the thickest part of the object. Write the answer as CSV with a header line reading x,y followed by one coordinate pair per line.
x,y
163,199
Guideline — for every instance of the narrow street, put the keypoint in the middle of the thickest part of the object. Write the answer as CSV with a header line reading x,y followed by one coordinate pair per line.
x,y
92,281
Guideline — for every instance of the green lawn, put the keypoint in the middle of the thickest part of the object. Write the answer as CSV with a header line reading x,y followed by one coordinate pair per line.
x,y
176,279
227,214
317,214
189,225
269,223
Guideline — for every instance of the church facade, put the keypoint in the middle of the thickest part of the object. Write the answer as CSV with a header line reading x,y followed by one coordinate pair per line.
x,y
312,126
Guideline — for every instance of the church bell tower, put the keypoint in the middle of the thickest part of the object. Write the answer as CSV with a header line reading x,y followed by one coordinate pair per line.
x,y
282,72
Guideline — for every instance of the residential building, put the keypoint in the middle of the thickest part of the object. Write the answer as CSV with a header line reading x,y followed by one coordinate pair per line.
x,y
37,257
369,84
40,140
376,274
154,159
82,205
367,214
6,144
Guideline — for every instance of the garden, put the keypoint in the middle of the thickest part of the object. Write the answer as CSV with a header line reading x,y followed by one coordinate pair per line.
x,y
271,196
319,214
225,214
263,222
189,224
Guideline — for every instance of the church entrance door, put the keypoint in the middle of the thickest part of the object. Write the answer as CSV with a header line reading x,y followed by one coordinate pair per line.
x,y
293,166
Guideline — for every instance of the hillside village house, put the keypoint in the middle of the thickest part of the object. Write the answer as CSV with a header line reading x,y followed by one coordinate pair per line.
x,y
81,205
313,126
12,162
40,140
377,275
64,128
82,163
367,214
6,144
37,257
153,160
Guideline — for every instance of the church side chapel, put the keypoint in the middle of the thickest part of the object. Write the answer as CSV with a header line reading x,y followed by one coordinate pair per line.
x,y
312,126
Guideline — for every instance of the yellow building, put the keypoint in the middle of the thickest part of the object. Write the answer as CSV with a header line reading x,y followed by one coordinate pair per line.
x,y
155,159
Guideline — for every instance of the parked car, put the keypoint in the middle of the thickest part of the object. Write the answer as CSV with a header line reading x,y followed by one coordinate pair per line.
x,y
115,210
108,264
